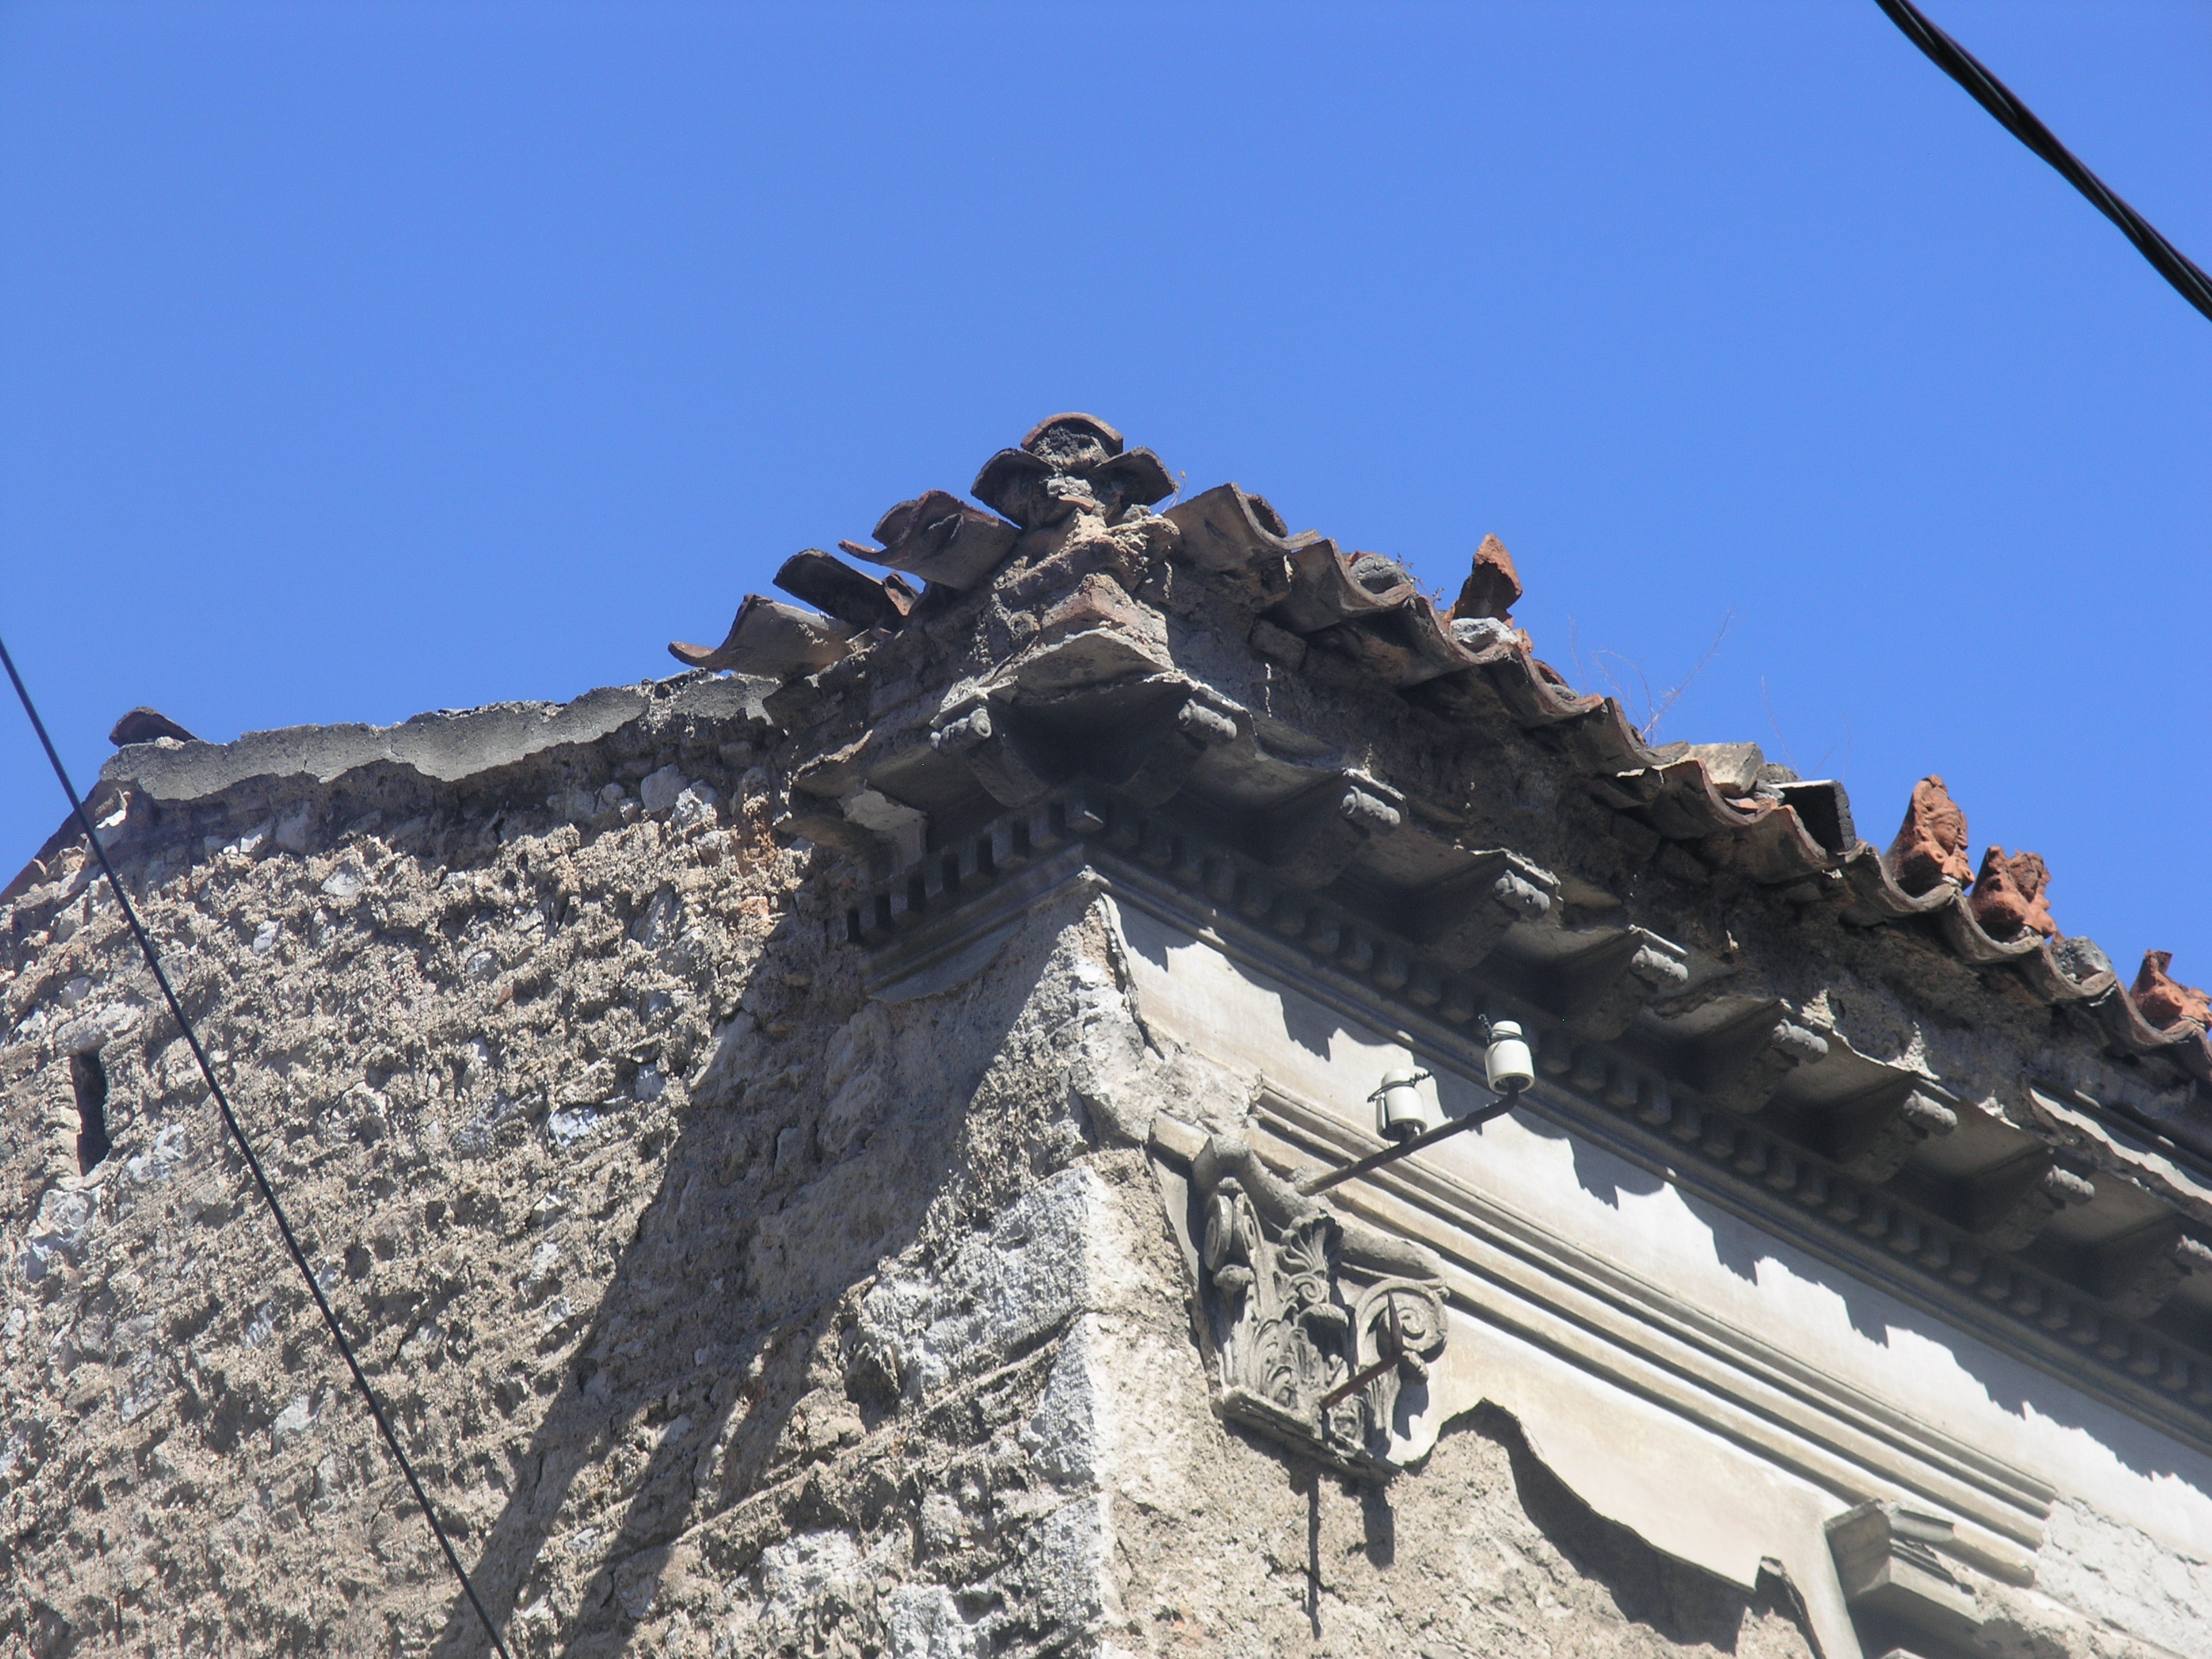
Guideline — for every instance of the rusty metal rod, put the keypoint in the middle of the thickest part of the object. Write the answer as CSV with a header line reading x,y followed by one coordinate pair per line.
x,y
1373,1161
1396,1343
1353,1385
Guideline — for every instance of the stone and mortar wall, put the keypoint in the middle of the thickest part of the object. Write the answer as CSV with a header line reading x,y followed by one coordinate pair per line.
x,y
593,1144
725,1310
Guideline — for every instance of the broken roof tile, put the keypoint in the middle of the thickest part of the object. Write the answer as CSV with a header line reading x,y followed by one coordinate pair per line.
x,y
1735,766
831,584
1493,587
144,725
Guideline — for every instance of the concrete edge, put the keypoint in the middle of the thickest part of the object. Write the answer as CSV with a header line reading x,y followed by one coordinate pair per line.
x,y
445,746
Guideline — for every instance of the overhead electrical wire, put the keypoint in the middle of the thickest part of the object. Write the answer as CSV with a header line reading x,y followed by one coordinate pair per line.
x,y
2188,278
246,1150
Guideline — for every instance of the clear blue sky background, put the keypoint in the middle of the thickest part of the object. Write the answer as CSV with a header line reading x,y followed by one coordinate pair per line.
x,y
357,360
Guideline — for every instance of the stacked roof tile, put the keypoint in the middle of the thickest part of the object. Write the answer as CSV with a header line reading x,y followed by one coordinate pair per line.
x,y
1359,618
1289,745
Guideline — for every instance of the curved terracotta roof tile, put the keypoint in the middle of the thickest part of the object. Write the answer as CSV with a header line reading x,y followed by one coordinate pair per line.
x,y
2069,971
1606,740
940,539
1324,591
1688,807
771,640
1778,850
1404,647
1532,697
1877,897
1973,944
1239,539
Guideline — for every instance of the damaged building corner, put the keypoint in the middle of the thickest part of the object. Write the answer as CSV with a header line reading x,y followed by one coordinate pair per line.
x,y
815,1152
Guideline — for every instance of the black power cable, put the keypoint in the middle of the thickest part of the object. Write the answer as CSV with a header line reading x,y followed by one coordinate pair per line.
x,y
246,1150
2189,280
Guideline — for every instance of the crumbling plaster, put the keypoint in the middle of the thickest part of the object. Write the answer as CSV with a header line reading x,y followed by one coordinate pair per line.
x,y
728,1309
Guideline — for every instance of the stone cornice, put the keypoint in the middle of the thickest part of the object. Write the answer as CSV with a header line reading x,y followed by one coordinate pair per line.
x,y
1690,1112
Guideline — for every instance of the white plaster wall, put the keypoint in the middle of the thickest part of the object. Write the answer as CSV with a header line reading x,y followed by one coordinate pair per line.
x,y
2117,1477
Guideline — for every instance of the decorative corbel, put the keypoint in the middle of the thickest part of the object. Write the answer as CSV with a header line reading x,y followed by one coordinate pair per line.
x,y
1875,1135
1601,991
1744,1064
1463,918
1887,1562
1309,841
2137,1275
2009,1205
1149,763
1011,772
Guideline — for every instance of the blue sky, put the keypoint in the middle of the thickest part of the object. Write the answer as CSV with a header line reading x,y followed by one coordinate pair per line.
x,y
357,360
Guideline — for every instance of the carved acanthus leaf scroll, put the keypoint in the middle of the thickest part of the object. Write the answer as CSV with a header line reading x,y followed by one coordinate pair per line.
x,y
1298,1306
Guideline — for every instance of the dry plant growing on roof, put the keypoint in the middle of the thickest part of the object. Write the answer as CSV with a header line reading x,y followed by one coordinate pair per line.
x,y
1654,708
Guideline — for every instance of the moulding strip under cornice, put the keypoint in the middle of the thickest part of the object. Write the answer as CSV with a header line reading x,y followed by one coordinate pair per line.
x,y
1503,1267
1074,848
